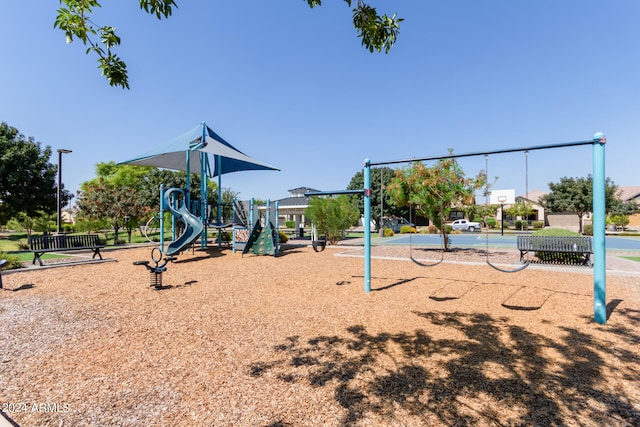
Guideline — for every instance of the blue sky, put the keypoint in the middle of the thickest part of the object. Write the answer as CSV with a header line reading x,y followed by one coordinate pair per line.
x,y
294,88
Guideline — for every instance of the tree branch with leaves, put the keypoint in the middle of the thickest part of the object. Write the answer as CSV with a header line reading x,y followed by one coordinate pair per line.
x,y
75,21
378,32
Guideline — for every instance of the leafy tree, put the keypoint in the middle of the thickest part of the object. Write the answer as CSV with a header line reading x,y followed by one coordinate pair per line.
x,y
27,179
378,32
146,181
22,222
89,225
227,203
624,208
522,210
482,213
332,215
435,190
379,176
621,211
111,203
41,221
576,195
620,220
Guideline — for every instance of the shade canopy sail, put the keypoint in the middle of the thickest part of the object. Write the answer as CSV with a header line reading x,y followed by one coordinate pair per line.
x,y
201,139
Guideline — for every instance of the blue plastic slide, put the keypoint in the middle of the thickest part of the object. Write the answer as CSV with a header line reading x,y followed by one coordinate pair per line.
x,y
193,229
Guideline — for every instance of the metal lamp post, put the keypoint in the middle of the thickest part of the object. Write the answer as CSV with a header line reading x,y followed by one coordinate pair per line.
x,y
61,151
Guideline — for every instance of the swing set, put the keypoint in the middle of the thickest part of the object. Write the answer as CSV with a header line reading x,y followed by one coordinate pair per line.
x,y
599,271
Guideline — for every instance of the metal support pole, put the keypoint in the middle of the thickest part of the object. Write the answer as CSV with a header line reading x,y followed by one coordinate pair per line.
x,y
599,249
277,229
251,207
204,200
367,225
163,207
61,151
219,216
380,227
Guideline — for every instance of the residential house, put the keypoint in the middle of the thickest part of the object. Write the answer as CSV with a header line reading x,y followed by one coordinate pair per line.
x,y
627,194
292,208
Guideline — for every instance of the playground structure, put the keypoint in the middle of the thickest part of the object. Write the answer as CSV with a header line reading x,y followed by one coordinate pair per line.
x,y
599,271
253,232
259,238
190,153
193,226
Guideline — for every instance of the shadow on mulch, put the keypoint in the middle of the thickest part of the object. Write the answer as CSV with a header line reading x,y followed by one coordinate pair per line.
x,y
21,288
497,374
167,287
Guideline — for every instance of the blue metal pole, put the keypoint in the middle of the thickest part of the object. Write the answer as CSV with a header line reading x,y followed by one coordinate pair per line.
x,y
204,190
219,217
251,207
163,207
599,248
267,212
204,201
277,229
367,225
187,198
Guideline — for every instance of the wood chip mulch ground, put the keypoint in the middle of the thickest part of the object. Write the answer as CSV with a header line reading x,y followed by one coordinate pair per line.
x,y
293,340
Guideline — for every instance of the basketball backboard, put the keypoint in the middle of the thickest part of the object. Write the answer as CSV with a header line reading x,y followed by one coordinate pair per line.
x,y
502,197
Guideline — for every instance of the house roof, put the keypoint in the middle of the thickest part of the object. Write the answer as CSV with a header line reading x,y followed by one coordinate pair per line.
x,y
534,195
628,193
302,190
293,201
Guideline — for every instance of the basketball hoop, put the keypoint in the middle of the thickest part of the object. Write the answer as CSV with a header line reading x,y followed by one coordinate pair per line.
x,y
502,199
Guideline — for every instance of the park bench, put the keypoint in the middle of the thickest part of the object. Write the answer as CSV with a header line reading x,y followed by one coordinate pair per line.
x,y
62,242
556,247
2,263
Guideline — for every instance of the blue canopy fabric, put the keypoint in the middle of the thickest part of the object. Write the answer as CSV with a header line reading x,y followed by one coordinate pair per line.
x,y
201,139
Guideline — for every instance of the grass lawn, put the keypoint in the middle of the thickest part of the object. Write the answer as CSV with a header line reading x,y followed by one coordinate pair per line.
x,y
10,241
28,256
632,258
13,241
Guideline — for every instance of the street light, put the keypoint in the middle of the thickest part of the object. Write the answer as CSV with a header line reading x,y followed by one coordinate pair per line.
x,y
61,151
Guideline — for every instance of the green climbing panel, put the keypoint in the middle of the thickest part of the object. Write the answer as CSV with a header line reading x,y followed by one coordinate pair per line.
x,y
261,241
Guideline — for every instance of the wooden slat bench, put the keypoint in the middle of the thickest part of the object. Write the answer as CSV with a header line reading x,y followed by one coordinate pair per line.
x,y
557,245
60,243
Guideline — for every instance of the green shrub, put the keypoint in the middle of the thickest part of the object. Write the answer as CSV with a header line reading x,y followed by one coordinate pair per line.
x,y
13,261
290,224
23,245
405,229
518,224
587,229
491,222
537,224
552,256
283,237
448,228
432,229
388,232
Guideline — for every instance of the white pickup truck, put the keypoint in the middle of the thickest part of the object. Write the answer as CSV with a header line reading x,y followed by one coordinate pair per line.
x,y
463,224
